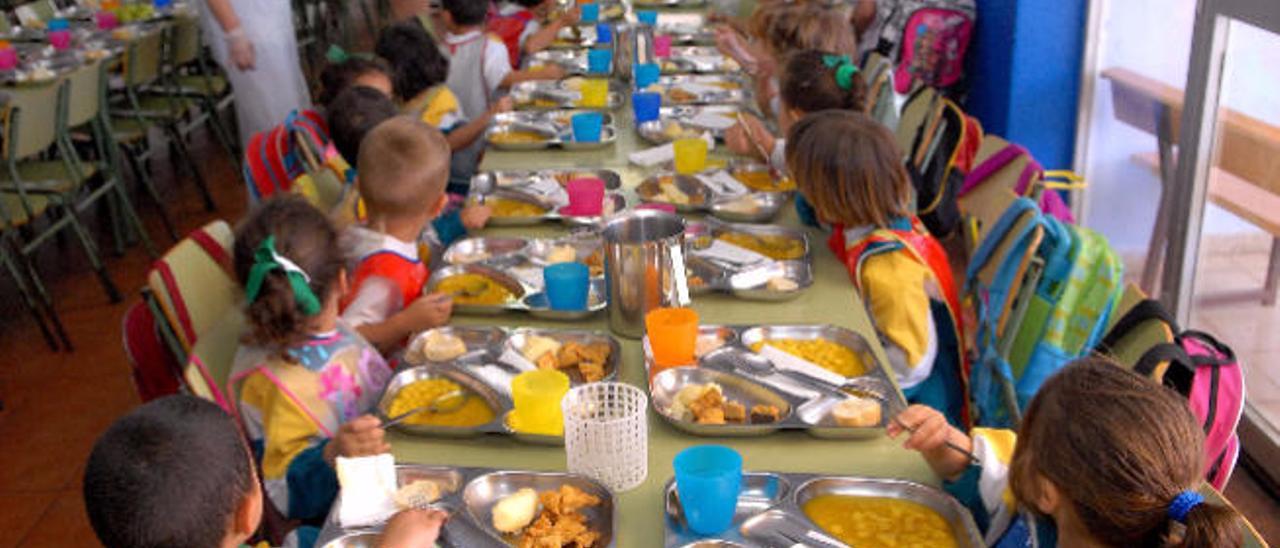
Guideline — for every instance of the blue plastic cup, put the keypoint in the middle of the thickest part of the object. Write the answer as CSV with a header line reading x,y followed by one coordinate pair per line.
x,y
567,285
590,12
646,73
587,127
708,479
599,60
646,106
647,17
604,33
162,4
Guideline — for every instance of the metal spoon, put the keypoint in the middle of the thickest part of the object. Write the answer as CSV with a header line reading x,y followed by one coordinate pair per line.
x,y
435,407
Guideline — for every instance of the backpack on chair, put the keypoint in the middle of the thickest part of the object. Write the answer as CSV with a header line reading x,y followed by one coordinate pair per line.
x,y
927,41
940,142
1201,369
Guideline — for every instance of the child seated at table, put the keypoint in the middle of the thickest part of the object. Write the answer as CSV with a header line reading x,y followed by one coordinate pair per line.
x,y
786,27
849,167
419,71
354,114
352,71
811,81
404,164
1104,457
176,472
530,26
305,381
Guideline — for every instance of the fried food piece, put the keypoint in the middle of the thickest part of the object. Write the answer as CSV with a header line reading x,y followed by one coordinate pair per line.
x,y
597,352
570,354
735,412
764,414
708,408
573,499
547,361
591,372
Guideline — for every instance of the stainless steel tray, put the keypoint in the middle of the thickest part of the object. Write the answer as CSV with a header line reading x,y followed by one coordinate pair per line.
x,y
525,297
755,207
732,89
469,494
674,122
573,61
560,94
553,126
747,281
698,60
769,511
744,377
487,181
613,202
486,346
669,3
686,28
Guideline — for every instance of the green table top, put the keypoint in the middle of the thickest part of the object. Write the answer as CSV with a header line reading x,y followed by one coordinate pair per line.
x,y
830,300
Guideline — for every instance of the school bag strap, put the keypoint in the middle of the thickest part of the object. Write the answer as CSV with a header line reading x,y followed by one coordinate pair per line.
x,y
1147,310
997,162
995,236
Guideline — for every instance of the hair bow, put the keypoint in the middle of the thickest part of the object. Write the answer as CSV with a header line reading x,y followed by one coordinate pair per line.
x,y
845,69
267,260
337,56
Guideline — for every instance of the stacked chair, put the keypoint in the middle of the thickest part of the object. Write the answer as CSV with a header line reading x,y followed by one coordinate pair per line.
x,y
1042,290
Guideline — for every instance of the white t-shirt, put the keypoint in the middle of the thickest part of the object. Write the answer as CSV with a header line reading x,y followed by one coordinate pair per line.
x,y
507,9
476,73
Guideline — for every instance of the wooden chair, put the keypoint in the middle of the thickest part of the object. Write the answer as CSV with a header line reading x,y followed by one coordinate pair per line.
x,y
1245,179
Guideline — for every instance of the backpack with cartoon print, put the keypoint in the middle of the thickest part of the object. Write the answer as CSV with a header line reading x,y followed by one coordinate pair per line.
x,y
927,41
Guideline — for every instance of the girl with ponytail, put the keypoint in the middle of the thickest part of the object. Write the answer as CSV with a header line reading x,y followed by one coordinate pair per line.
x,y
306,382
1104,457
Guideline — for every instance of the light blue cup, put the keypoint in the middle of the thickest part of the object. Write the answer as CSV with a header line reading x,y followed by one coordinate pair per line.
x,y
646,74
568,285
708,479
604,33
599,60
647,17
590,12
587,127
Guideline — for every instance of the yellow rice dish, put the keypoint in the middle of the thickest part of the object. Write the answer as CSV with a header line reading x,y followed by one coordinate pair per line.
x,y
474,411
517,137
764,182
875,522
475,289
503,207
831,356
778,248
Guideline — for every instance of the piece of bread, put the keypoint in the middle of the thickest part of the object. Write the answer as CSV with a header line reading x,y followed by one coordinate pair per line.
x,y
735,412
856,412
438,346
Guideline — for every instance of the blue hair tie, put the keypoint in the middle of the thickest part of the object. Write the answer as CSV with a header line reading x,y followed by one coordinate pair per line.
x,y
1183,504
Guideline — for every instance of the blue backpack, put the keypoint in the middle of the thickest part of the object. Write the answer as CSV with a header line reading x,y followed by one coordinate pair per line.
x,y
1043,291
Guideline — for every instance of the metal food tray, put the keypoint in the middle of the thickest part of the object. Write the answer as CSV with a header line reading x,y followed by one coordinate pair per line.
x,y
686,28
735,279
552,125
730,366
765,204
573,61
654,132
769,511
486,345
725,96
669,3
526,94
469,495
680,63
487,181
507,251
525,297
614,202
580,36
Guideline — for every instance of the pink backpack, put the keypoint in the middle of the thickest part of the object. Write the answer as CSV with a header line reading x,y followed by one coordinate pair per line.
x,y
1203,370
1050,201
927,41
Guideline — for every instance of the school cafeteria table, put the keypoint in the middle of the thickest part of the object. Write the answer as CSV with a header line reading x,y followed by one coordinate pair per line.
x,y
831,299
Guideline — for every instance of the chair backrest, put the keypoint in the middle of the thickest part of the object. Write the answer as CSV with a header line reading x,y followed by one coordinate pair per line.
x,y
184,41
142,60
84,93
28,117
192,282
6,24
209,365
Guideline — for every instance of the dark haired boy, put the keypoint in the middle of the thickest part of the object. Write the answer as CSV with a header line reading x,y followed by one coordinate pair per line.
x,y
176,472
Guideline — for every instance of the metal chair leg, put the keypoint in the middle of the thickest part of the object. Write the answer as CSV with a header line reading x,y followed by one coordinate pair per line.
x,y
46,303
90,249
29,301
175,138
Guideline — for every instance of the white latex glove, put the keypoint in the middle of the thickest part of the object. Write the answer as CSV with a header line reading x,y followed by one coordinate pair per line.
x,y
240,49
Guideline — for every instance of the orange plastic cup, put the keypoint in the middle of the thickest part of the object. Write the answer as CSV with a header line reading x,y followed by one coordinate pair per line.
x,y
673,333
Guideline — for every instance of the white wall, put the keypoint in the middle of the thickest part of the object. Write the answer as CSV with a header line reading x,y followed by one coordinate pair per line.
x,y
1153,37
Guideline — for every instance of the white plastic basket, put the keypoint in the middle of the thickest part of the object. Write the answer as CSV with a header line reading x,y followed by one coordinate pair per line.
x,y
606,436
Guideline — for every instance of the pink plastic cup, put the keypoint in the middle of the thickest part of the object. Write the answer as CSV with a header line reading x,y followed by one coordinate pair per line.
x,y
8,58
667,208
60,39
106,20
586,197
662,45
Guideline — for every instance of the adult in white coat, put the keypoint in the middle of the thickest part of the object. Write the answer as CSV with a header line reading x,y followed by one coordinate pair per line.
x,y
255,43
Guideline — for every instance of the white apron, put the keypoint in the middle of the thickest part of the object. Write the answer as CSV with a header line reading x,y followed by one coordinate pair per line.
x,y
275,87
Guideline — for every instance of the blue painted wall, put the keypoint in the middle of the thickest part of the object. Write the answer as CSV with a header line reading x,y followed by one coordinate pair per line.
x,y
1024,74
